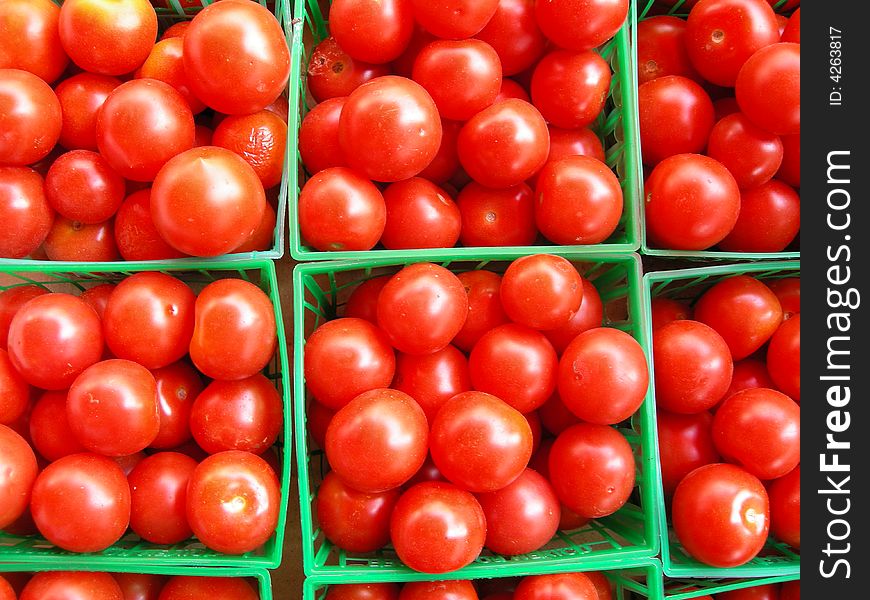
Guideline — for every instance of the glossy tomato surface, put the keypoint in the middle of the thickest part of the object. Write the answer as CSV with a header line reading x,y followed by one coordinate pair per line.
x,y
31,41
25,210
541,291
30,118
354,521
20,470
158,490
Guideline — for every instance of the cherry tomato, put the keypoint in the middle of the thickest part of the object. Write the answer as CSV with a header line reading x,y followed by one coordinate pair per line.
x,y
792,32
158,490
428,472
72,585
260,139
18,464
437,527
7,592
81,97
50,430
30,40
555,416
346,357
389,128
24,210
30,118
512,89
233,502
438,590
791,590
790,169
81,186
784,357
75,242
140,586
14,391
454,19
574,142
692,202
514,34
743,311
685,443
497,217
748,374
372,31
769,219
675,117
446,161
581,24
570,88
785,508
238,42
559,586
363,591
234,330
721,515
665,310
136,236
485,311
354,521
752,154
178,385
505,144
81,502
432,379
201,588
318,417
541,291
332,73
592,469
661,49
166,64
363,300
377,441
768,88
601,583
588,316
11,300
262,238
422,308
419,215
319,147
53,338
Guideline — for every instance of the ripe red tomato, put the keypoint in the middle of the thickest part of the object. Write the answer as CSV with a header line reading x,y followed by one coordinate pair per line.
x,y
14,391
556,418
363,300
692,202
24,210
419,215
661,49
432,379
768,88
791,590
81,97
74,585
372,31
785,508
461,589
769,219
514,34
136,236
665,310
30,118
579,201
463,77
497,217
675,117
588,316
346,357
437,527
260,138
784,357
721,515
570,88
332,73
237,415
446,161
541,291
165,63
790,169
233,502
693,366
485,311
318,417
53,338
505,144
559,586
601,583
574,142
592,469
18,464
318,136
81,186
753,155
725,106
178,385
7,592
788,292
11,300
158,490
422,308
685,443
390,129
363,591
354,521
50,430
73,241
140,586
30,40
234,330
81,502
238,42
743,311
202,588
748,373
792,32
454,19
581,24
722,34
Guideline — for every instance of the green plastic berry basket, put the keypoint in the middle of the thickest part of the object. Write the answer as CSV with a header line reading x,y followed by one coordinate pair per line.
x,y
259,577
776,559
130,552
320,290
684,589
616,126
645,10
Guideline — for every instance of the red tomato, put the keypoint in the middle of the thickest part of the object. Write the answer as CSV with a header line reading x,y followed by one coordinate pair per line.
x,y
768,88
570,88
202,588
389,128
784,357
233,501
432,379
332,73
512,89
318,418
560,586
791,590
24,210
158,490
419,215
422,308
363,591
237,415
505,144
7,592
30,118
354,521
693,366
603,376
722,34
661,49
363,300
14,391
514,34
346,357
752,154
19,468
178,385
446,161
50,430
758,592
790,169
685,443
485,311
260,139
53,338
479,442
428,472
140,586
792,32
81,186
72,241
785,508
521,517
588,316
579,201
665,310
454,19
721,515
165,63
195,216
581,24
724,107
555,416
497,217
601,583
573,142
319,147
748,374
72,585
541,291
262,238
81,97
81,502
11,300
234,330
438,590
238,42
592,469
675,117
437,527
769,219
743,311
692,202
373,31
136,235
30,40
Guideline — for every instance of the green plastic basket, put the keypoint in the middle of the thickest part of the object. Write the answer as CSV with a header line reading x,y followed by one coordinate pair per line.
x,y
261,576
678,10
131,553
777,559
617,127
684,589
320,289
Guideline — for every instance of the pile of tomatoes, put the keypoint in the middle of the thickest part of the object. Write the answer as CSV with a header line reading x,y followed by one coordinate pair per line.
x,y
107,420
467,122
727,384
114,146
122,586
719,109
430,397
